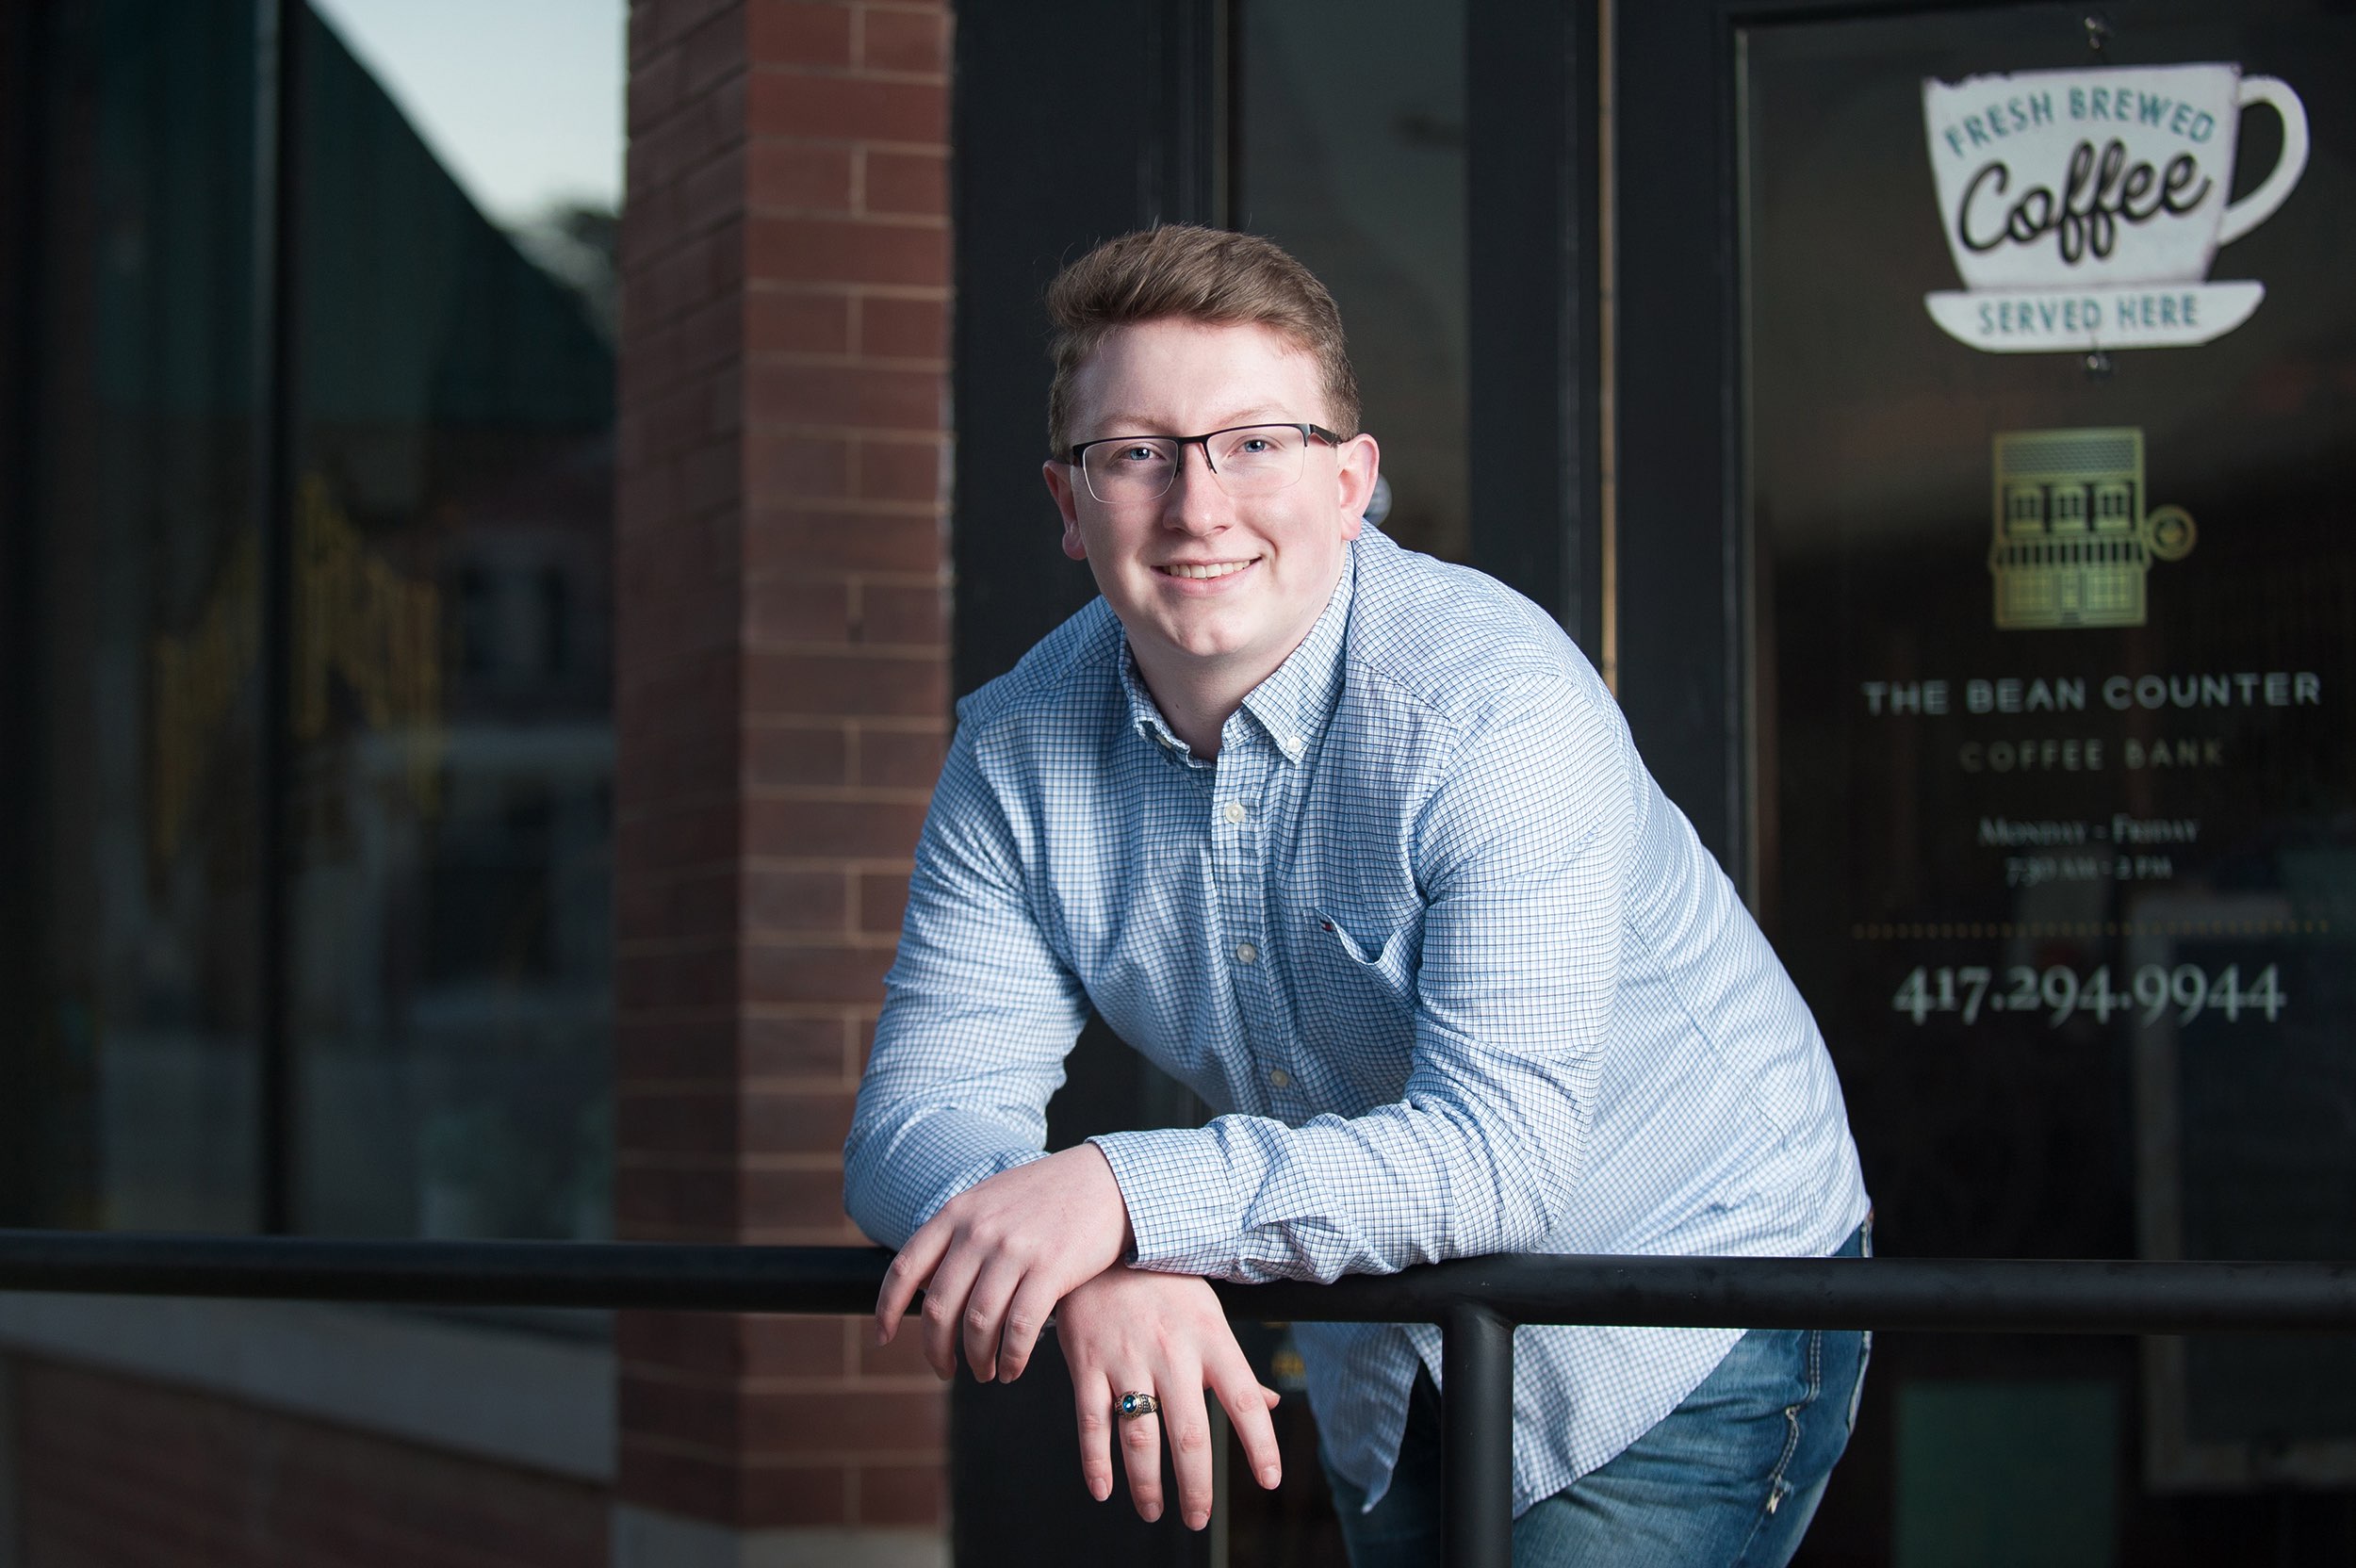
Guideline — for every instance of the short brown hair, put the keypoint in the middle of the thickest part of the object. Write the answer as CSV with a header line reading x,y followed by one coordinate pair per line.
x,y
1185,272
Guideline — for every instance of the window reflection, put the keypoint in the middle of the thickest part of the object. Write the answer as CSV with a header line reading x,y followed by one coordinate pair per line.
x,y
130,992
1351,154
447,643
452,716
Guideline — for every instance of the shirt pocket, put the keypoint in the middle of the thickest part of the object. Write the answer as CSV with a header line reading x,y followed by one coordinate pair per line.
x,y
1362,969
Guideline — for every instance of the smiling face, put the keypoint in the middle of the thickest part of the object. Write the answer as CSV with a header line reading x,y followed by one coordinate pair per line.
x,y
1214,590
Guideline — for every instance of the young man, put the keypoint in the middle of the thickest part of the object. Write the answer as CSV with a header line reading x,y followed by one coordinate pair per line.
x,y
1355,844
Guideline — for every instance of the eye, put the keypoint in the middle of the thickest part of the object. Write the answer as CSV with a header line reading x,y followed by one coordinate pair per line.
x,y
1256,445
1140,453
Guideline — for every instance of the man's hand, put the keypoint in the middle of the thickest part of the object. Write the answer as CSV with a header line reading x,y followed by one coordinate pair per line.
x,y
1131,1331
996,1259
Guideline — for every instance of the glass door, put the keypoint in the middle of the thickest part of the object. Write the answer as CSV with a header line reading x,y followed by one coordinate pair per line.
x,y
2044,373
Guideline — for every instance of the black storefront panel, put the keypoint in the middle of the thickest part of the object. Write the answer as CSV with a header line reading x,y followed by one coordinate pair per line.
x,y
2046,435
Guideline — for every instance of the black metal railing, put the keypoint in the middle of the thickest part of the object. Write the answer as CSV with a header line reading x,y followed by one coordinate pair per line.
x,y
1476,1302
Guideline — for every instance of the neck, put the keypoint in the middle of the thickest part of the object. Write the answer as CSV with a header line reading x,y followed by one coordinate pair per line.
x,y
1198,696
1197,702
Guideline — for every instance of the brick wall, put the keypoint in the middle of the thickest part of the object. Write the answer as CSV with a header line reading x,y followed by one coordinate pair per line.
x,y
781,698
120,1472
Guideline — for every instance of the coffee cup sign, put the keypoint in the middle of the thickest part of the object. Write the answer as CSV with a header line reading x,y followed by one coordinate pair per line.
x,y
2083,209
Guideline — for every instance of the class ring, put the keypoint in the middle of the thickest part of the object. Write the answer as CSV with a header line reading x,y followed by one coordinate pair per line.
x,y
1129,1406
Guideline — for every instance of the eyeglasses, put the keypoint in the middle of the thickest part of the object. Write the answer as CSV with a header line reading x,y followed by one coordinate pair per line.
x,y
1247,460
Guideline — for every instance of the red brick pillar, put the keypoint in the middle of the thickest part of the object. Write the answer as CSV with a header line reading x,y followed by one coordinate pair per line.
x,y
781,680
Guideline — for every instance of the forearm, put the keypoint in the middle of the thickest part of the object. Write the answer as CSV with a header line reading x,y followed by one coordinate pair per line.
x,y
901,1165
1442,1173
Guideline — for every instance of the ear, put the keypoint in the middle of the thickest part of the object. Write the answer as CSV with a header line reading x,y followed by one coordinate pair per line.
x,y
1356,463
1058,477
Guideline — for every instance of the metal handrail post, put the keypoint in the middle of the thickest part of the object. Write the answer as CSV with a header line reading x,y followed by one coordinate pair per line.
x,y
1476,1435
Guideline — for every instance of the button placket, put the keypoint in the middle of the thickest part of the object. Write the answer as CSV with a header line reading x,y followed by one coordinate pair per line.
x,y
1238,858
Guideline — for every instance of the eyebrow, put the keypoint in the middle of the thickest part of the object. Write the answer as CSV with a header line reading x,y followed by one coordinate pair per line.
x,y
1124,424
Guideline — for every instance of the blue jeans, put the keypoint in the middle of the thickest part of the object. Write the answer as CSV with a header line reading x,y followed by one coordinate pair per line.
x,y
1730,1477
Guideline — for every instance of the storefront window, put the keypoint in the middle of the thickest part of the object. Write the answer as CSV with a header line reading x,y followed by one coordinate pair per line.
x,y
447,627
1349,153
452,670
131,1011
2058,818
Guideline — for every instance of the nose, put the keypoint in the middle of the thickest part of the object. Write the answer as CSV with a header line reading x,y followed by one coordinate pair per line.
x,y
1195,501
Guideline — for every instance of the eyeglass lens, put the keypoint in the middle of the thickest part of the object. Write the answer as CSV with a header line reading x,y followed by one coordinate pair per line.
x,y
1254,460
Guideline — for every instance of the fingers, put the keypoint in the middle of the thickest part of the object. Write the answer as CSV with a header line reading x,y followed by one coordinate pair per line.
x,y
985,1310
1003,1310
1025,1316
945,1298
1141,1454
1247,1406
906,1276
1094,1398
1126,1331
1187,1423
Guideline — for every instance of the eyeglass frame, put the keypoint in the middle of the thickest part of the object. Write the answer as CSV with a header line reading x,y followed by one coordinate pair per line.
x,y
1203,441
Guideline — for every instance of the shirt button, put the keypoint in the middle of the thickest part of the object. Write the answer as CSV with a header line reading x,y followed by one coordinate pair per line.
x,y
1292,745
1247,954
1234,812
1279,1078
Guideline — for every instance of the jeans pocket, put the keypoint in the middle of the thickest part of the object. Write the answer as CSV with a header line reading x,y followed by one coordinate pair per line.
x,y
1856,1389
1865,1341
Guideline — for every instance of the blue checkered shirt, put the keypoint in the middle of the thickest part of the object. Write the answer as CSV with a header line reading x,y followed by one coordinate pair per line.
x,y
1456,976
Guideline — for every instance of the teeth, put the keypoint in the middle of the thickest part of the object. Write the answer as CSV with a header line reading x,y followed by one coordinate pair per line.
x,y
1217,568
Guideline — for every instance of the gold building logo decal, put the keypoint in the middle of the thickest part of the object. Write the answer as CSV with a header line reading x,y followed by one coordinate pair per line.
x,y
2072,540
376,632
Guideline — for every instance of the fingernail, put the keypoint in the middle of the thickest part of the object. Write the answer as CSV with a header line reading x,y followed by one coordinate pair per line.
x,y
1196,1521
1270,1476
1149,1511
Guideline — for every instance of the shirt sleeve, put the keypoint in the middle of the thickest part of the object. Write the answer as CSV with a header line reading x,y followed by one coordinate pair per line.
x,y
978,1016
1523,851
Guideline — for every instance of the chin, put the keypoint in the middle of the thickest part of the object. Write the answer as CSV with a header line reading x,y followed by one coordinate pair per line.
x,y
1209,640
1207,645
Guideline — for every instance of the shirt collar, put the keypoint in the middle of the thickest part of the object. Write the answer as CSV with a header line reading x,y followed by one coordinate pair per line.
x,y
1144,717
1294,702
1291,705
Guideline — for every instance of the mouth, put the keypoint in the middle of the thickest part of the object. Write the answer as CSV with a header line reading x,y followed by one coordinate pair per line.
x,y
1200,571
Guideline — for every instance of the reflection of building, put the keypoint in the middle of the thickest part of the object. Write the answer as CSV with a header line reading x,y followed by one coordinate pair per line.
x,y
2073,543
340,962
500,838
